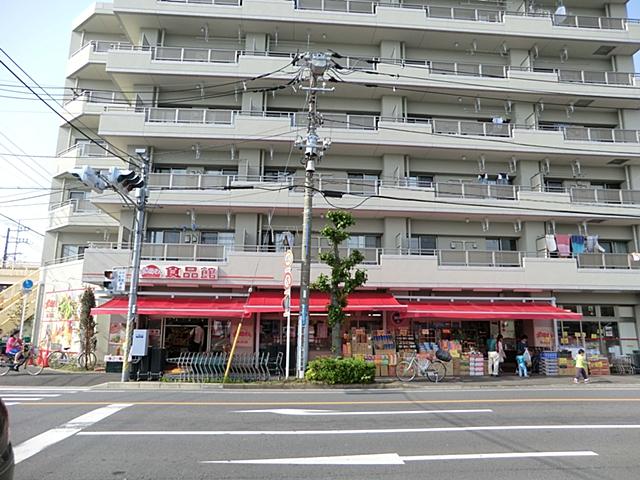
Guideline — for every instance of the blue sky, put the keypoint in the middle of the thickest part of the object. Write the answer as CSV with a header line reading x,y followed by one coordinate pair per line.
x,y
40,44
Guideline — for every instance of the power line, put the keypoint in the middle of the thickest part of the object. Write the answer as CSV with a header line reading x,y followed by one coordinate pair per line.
x,y
37,171
18,223
67,122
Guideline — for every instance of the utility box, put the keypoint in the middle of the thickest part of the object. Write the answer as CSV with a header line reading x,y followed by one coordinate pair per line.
x,y
140,344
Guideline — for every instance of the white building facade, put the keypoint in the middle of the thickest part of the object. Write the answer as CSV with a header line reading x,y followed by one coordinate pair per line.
x,y
497,142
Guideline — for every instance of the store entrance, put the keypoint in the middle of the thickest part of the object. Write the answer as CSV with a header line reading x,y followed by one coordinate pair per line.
x,y
181,335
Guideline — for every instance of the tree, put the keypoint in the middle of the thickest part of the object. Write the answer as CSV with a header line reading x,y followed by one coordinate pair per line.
x,y
344,278
87,323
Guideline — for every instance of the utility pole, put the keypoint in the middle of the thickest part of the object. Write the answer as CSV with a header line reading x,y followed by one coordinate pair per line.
x,y
6,249
317,64
132,311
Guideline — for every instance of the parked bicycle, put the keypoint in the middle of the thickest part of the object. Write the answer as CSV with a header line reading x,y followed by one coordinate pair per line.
x,y
61,358
434,370
28,358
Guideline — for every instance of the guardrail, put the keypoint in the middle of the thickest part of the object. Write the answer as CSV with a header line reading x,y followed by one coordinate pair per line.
x,y
210,367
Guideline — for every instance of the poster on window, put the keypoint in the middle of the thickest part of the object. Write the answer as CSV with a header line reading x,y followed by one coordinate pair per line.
x,y
246,338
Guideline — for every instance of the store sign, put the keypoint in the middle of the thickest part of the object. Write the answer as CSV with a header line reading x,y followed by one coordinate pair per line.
x,y
544,337
175,272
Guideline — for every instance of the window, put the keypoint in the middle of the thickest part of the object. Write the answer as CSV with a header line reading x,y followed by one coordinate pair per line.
x,y
362,183
72,251
589,310
419,180
177,170
277,175
226,239
554,185
606,185
163,236
77,195
275,241
502,244
422,244
614,246
607,311
364,241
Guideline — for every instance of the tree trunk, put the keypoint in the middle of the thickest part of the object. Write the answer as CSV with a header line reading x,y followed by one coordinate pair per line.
x,y
336,339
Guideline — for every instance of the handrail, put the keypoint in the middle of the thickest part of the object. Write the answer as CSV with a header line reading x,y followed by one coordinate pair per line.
x,y
229,3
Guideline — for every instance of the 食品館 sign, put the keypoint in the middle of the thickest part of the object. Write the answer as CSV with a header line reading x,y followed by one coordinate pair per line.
x,y
173,272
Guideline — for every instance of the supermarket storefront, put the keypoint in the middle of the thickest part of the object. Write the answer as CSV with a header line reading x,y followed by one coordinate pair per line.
x,y
379,327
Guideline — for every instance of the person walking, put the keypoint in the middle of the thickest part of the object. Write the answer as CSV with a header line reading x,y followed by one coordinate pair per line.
x,y
501,353
581,367
493,356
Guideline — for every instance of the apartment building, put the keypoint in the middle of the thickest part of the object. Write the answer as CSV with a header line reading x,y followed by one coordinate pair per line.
x,y
496,142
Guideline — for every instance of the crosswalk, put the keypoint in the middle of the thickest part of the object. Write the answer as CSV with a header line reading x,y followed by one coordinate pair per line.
x,y
20,395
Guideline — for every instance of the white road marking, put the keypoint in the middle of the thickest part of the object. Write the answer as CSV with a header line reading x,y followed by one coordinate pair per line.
x,y
26,395
395,459
44,389
22,399
330,413
497,428
38,443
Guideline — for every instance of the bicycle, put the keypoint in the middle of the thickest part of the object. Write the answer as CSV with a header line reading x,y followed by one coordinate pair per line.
x,y
434,370
60,358
33,364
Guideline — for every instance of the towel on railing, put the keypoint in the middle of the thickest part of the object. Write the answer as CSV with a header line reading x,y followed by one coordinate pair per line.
x,y
564,245
593,246
635,256
577,244
550,241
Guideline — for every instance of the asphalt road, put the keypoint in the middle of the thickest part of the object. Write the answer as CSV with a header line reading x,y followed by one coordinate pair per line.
x,y
571,432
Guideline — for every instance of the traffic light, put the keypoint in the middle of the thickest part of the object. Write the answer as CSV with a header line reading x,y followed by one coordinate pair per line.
x,y
90,178
126,180
107,282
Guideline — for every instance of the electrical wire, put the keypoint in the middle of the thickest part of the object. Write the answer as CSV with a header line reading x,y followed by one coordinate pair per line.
x,y
20,224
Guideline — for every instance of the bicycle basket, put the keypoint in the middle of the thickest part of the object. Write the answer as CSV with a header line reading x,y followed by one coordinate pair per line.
x,y
443,355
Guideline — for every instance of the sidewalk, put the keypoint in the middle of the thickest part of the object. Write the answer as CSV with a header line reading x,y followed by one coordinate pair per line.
x,y
50,378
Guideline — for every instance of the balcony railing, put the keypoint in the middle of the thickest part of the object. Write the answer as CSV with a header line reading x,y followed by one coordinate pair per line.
x,y
77,206
232,3
470,127
96,96
618,261
478,258
590,77
86,150
476,191
607,135
206,55
204,116
606,196
184,252
583,21
192,116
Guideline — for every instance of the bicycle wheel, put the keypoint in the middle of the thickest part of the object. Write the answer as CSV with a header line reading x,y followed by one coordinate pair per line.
x,y
34,365
436,371
57,359
5,366
405,371
87,361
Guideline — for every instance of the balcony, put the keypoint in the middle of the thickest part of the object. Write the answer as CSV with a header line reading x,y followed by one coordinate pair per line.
x,y
91,103
442,268
79,216
368,132
90,59
399,17
83,154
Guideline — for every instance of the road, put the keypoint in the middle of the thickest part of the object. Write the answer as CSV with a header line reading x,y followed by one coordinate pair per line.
x,y
571,432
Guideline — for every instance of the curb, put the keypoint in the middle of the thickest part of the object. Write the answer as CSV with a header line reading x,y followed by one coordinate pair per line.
x,y
425,386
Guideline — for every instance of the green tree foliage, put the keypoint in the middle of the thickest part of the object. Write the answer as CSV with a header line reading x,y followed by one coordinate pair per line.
x,y
87,323
344,278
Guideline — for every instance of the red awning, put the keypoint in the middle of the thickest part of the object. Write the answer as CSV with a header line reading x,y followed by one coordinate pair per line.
x,y
271,302
488,311
178,306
